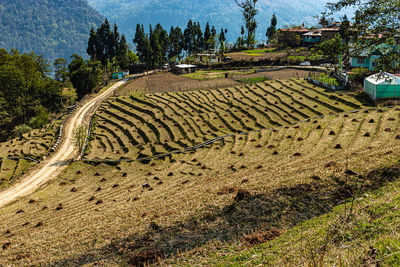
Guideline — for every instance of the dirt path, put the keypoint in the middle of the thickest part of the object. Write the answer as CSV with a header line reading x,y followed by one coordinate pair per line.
x,y
53,167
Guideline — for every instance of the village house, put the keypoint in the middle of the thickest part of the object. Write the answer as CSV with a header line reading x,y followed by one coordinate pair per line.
x,y
184,68
288,36
366,58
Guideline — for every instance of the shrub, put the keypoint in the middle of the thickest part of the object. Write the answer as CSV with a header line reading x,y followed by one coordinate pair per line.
x,y
326,79
358,74
21,129
40,120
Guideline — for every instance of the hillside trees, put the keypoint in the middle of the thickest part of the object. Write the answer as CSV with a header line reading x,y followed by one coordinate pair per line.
x,y
84,76
175,43
27,93
157,47
54,28
108,47
60,70
332,48
222,40
249,12
376,22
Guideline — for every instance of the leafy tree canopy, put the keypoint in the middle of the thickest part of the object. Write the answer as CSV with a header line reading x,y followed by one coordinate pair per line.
x,y
27,93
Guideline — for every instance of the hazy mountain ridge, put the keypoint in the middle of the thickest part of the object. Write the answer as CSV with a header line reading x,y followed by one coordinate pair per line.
x,y
55,28
221,13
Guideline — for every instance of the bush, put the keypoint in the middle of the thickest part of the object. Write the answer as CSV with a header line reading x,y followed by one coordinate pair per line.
x,y
326,79
40,120
21,129
296,59
315,57
358,74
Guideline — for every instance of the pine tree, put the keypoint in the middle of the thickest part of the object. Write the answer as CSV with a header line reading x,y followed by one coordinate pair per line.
x,y
249,12
207,36
271,31
188,35
92,43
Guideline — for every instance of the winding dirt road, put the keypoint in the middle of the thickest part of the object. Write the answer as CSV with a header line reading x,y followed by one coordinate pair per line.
x,y
53,167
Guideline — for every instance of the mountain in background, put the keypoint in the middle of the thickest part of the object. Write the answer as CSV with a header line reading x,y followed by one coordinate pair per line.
x,y
54,28
221,13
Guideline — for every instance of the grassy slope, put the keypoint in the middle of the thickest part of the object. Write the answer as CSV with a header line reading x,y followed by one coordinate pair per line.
x,y
291,173
363,231
35,145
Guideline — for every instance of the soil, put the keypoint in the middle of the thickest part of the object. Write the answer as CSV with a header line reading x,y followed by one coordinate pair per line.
x,y
168,82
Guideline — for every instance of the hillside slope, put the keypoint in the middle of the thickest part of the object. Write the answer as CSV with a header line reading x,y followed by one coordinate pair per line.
x,y
55,28
276,178
221,13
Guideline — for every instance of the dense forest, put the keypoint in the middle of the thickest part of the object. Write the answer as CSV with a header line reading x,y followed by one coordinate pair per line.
x,y
27,94
54,28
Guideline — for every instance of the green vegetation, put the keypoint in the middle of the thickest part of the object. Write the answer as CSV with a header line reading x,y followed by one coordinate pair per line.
x,y
110,48
322,77
216,74
27,94
52,28
359,74
253,80
296,59
204,75
84,75
157,47
258,52
249,12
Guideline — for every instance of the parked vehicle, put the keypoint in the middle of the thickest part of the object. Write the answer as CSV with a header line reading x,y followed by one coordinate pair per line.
x,y
305,63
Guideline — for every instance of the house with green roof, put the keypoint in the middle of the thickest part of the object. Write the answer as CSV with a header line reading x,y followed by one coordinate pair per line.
x,y
365,58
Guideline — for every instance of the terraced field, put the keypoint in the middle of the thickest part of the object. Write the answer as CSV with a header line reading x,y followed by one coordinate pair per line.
x,y
268,179
31,146
152,124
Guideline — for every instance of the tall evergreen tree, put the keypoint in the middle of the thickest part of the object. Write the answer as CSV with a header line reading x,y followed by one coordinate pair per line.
x,y
271,31
92,44
207,36
188,35
249,12
176,43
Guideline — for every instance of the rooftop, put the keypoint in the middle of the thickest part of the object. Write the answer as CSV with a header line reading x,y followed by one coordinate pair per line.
x,y
383,77
294,30
185,66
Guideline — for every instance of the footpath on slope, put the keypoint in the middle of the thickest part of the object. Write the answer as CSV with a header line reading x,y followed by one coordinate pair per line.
x,y
59,161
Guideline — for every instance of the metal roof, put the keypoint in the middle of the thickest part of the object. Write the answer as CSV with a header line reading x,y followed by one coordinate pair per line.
x,y
185,66
383,77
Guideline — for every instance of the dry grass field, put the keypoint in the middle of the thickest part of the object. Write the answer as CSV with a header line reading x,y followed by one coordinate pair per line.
x,y
145,125
135,212
34,145
277,75
168,82
270,179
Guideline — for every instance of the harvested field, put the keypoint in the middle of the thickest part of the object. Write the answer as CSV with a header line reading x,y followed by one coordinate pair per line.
x,y
277,75
204,198
35,145
168,82
152,124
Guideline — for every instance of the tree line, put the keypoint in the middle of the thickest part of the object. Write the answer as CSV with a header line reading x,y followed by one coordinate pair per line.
x,y
109,47
157,47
